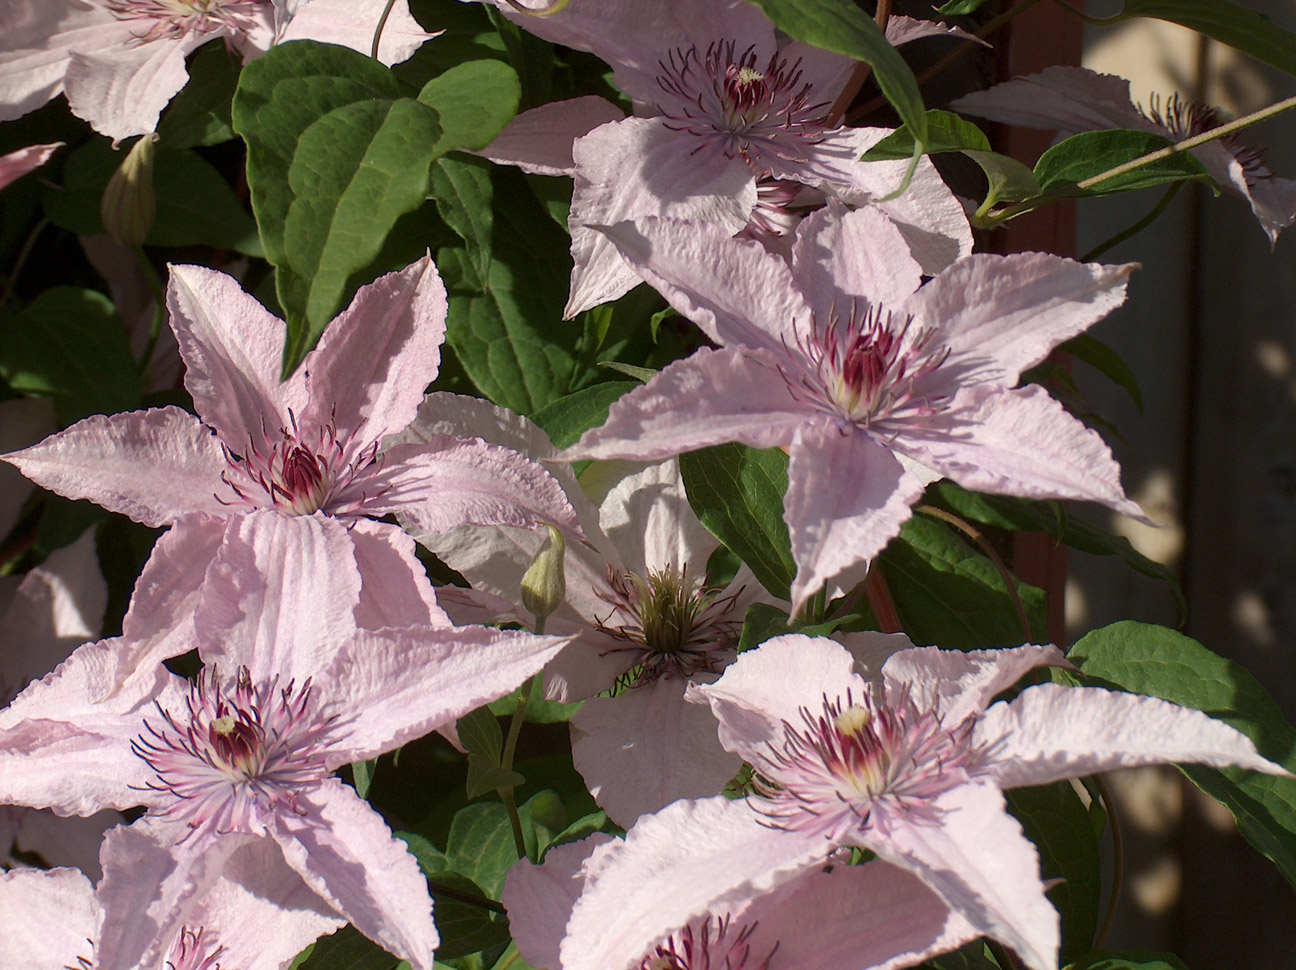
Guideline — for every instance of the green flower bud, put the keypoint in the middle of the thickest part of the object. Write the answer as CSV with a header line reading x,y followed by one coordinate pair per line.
x,y
544,585
128,207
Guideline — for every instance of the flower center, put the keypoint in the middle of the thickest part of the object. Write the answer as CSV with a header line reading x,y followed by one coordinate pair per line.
x,y
230,758
855,756
676,625
700,947
176,19
727,100
1182,118
190,952
866,368
298,476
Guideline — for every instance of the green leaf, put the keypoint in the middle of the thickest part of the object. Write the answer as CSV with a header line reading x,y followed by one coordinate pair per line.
x,y
642,374
1058,822
538,709
1129,960
194,205
569,417
1225,21
70,344
463,193
762,622
464,927
737,493
1155,661
480,734
474,101
1051,518
948,593
200,113
480,845
485,777
957,8
843,28
362,773
1107,362
584,826
946,132
1007,180
1091,153
430,858
355,171
347,949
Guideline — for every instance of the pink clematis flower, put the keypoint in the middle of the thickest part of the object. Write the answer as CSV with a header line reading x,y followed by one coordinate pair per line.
x,y
251,920
245,755
43,616
874,385
642,616
17,164
910,763
309,450
1075,99
732,125
121,61
872,917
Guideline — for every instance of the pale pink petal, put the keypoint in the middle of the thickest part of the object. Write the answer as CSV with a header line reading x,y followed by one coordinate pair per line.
x,y
70,841
153,879
261,912
928,215
280,596
961,683
540,140
121,92
645,748
539,899
346,853
455,481
23,422
17,164
58,606
875,916
1051,732
998,315
767,688
399,685
847,498
1273,200
735,290
1066,98
153,466
714,396
1019,442
375,360
161,614
979,861
840,255
37,38
48,918
648,518
352,23
65,740
638,167
395,590
675,866
902,30
233,352
590,665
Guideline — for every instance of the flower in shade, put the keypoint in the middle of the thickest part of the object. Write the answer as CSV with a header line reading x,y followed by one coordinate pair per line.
x,y
873,384
1076,99
246,754
285,455
644,619
254,919
732,125
906,757
17,164
120,61
850,917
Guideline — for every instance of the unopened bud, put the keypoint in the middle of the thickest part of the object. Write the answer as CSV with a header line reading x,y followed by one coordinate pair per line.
x,y
128,207
544,585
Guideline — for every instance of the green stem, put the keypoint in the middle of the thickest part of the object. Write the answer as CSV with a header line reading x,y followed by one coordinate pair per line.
x,y
472,899
510,749
378,31
1138,227
1118,861
21,261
